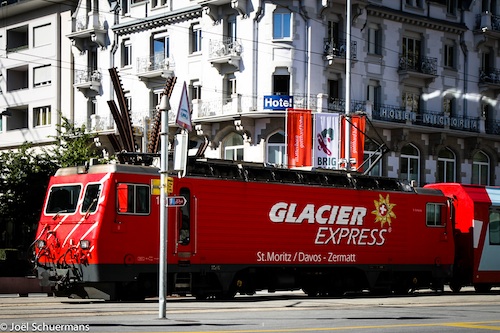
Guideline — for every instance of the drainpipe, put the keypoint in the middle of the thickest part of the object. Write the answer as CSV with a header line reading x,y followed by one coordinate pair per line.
x,y
258,16
307,63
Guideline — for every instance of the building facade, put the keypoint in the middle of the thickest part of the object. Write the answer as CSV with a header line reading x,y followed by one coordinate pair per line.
x,y
424,72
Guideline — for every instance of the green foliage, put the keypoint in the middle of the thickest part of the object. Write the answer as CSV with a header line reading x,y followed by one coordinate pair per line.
x,y
24,175
74,146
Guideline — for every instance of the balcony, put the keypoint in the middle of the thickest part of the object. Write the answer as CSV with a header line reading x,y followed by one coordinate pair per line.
x,y
225,53
487,28
414,67
155,67
88,29
427,118
88,81
335,51
489,79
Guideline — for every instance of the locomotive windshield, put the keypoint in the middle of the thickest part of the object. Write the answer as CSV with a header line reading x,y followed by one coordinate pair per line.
x,y
63,199
90,199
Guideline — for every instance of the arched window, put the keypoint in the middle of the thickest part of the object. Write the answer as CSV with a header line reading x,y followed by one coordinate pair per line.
x,y
233,147
282,24
480,169
446,167
410,163
276,149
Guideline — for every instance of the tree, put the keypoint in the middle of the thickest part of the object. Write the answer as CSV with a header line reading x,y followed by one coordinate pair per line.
x,y
24,176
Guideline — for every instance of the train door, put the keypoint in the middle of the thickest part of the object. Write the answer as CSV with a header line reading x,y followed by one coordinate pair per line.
x,y
186,227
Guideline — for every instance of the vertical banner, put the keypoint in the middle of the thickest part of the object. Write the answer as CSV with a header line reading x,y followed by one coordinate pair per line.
x,y
357,139
326,138
298,131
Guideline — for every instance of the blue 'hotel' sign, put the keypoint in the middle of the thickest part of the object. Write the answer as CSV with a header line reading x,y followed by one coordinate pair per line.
x,y
278,102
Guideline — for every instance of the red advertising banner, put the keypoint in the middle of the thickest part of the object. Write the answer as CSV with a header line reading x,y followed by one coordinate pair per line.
x,y
356,138
299,137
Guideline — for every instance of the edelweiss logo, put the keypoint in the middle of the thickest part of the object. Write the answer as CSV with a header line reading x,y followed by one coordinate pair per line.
x,y
383,210
324,138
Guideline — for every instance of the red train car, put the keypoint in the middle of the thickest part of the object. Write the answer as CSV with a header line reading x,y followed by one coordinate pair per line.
x,y
244,228
477,235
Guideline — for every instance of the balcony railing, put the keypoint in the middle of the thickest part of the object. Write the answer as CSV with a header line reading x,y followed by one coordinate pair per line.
x,y
415,63
489,75
337,48
487,21
87,75
154,63
225,47
338,105
85,22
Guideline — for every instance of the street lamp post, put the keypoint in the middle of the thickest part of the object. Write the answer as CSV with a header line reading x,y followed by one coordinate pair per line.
x,y
164,107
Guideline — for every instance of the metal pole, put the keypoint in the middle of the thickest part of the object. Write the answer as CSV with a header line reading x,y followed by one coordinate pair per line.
x,y
347,136
163,107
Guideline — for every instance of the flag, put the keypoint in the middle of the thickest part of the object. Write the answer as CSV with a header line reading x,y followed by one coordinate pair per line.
x,y
356,139
298,132
326,139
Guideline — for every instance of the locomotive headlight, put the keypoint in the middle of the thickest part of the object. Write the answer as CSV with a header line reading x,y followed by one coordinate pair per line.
x,y
84,244
41,243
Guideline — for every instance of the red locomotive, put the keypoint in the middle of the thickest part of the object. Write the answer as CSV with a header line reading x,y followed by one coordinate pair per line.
x,y
246,227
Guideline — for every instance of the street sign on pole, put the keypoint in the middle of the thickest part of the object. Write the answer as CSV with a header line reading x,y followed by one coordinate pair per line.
x,y
178,201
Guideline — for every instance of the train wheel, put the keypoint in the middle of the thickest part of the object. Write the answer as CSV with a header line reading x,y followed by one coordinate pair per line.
x,y
455,286
482,287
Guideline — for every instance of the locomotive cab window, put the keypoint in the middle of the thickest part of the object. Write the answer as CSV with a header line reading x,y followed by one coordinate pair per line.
x,y
90,198
435,213
63,199
185,218
494,226
133,199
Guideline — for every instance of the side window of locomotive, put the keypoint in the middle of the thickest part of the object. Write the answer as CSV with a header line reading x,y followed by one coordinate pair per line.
x,y
63,199
185,218
133,199
90,198
435,213
494,226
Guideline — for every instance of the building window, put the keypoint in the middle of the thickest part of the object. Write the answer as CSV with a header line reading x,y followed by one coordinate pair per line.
x,y
411,100
195,38
449,54
372,159
233,147
373,92
126,53
17,78
374,39
42,35
414,3
125,6
411,54
282,26
446,166
480,169
434,213
410,163
42,116
229,87
281,81
449,106
276,149
42,76
195,89
17,39
158,3
161,51
451,7
18,119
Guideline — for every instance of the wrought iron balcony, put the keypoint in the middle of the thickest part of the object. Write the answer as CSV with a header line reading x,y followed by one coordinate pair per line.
x,y
88,28
86,79
335,50
489,76
415,63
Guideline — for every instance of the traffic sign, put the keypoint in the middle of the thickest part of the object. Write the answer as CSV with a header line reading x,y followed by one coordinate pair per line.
x,y
176,201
